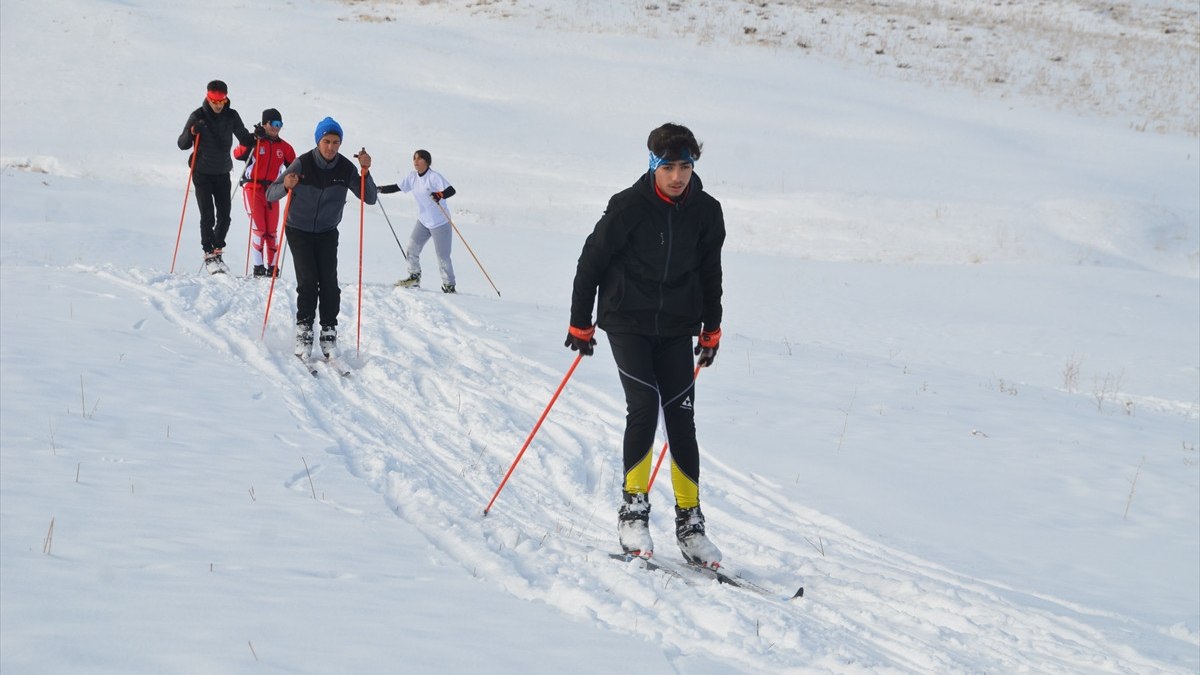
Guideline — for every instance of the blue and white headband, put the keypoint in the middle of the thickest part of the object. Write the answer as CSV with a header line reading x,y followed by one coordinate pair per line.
x,y
656,161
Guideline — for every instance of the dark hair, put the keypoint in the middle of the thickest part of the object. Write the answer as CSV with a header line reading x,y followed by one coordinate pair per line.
x,y
424,154
218,86
673,142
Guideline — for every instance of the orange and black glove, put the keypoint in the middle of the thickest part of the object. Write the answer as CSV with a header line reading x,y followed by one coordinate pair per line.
x,y
581,340
706,349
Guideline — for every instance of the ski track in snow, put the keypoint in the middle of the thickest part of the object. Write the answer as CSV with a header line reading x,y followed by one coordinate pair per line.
x,y
437,407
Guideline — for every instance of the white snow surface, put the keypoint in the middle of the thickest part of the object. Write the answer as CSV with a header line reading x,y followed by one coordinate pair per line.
x,y
957,398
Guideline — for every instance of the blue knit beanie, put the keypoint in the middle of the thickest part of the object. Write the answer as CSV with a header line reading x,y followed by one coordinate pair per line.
x,y
328,126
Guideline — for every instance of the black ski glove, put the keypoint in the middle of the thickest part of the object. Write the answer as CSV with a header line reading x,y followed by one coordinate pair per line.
x,y
260,132
388,189
581,340
709,343
435,196
199,126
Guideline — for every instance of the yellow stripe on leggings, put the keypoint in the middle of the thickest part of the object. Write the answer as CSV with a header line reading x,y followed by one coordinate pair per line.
x,y
637,479
687,492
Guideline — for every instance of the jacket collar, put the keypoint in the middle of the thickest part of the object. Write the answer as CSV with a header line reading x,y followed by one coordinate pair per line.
x,y
320,161
646,187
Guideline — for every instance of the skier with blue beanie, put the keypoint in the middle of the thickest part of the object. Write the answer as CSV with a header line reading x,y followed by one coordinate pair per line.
x,y
319,181
327,126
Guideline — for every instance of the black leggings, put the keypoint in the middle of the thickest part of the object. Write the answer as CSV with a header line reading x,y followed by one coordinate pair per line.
x,y
315,259
213,198
657,372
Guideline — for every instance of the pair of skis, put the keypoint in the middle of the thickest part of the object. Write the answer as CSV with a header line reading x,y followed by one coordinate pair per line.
x,y
330,361
684,570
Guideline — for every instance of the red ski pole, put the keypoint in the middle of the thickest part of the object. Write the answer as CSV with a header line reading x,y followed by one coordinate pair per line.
x,y
362,191
271,292
533,433
187,190
663,453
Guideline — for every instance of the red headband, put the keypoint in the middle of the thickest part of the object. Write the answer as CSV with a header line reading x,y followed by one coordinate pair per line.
x,y
217,97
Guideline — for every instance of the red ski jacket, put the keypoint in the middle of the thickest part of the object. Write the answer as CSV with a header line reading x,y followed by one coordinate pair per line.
x,y
268,157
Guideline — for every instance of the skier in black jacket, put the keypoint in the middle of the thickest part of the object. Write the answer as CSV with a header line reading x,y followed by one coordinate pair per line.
x,y
215,124
655,258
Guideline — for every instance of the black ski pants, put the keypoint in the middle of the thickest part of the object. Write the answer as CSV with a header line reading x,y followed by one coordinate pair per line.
x,y
656,373
314,256
213,192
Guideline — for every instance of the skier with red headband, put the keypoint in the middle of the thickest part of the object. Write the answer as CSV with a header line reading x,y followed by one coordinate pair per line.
x,y
654,263
210,129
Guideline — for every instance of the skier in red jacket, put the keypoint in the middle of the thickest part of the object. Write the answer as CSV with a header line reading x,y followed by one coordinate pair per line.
x,y
267,158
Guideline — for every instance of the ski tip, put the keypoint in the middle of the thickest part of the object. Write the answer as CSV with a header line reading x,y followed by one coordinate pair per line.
x,y
799,593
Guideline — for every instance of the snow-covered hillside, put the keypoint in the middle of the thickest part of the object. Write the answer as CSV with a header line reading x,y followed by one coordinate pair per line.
x,y
958,397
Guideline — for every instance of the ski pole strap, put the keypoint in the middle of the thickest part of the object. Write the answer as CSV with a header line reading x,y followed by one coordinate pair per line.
x,y
584,334
709,339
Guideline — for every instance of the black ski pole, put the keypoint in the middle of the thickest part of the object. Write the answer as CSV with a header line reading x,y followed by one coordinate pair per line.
x,y
389,222
245,204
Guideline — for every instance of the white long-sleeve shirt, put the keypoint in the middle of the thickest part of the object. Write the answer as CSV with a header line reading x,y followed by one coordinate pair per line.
x,y
428,212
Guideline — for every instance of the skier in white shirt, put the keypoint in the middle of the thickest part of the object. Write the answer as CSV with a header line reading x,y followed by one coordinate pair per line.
x,y
429,188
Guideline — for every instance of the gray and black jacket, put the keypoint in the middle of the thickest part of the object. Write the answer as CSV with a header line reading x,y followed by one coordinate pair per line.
x,y
319,199
656,264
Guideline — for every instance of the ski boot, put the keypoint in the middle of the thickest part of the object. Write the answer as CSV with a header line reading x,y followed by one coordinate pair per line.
x,y
329,341
633,525
412,281
213,263
695,546
304,339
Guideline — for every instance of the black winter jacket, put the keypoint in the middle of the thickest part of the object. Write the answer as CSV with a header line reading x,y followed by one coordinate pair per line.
x,y
216,138
657,265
